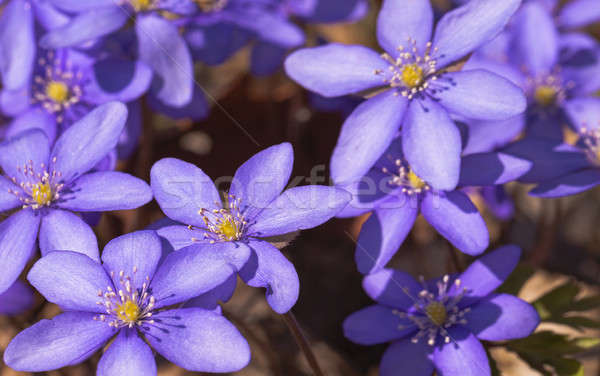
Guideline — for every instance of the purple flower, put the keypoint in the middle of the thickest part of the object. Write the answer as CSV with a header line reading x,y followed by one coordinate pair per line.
x,y
437,325
562,169
225,26
255,208
47,185
551,68
397,195
18,45
159,43
421,93
573,14
127,297
66,84
16,299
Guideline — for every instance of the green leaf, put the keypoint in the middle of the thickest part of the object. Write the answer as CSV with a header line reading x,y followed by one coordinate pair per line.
x,y
586,304
547,345
576,322
557,301
566,366
586,343
514,283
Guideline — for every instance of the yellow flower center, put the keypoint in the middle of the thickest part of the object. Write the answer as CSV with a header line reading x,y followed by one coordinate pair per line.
x,y
42,194
412,75
128,312
140,5
436,312
415,181
57,91
229,229
545,95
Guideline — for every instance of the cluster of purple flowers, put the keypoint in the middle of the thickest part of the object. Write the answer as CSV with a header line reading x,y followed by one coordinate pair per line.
x,y
456,106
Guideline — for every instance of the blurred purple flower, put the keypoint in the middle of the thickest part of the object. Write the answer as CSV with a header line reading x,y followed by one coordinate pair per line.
x,y
255,208
562,169
18,298
159,44
552,68
127,297
66,84
437,325
573,14
397,195
18,24
215,35
47,185
422,94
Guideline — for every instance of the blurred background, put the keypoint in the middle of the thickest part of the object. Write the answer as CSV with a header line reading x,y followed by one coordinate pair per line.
x,y
560,238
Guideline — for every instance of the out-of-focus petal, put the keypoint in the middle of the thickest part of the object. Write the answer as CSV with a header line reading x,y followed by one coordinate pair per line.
x,y
165,51
86,26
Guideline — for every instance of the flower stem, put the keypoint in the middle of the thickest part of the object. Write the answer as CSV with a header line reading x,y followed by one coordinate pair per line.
x,y
294,327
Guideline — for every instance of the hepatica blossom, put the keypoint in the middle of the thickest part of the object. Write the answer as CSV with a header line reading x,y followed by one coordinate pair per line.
x,y
127,297
45,186
552,68
396,195
255,208
212,37
18,24
420,93
437,325
159,43
562,169
574,14
67,84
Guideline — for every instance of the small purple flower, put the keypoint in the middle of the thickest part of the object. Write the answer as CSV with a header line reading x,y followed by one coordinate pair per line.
x,y
67,84
552,68
159,43
421,94
128,298
255,208
18,298
18,46
271,23
223,27
48,185
396,195
438,325
562,169
573,14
